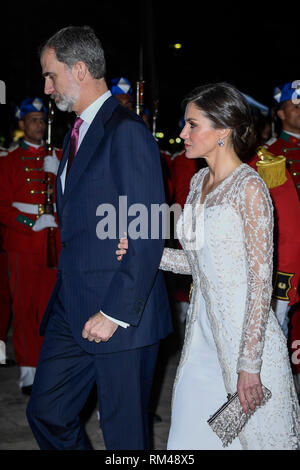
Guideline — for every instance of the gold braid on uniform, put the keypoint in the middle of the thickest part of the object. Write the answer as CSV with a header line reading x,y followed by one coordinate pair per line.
x,y
271,167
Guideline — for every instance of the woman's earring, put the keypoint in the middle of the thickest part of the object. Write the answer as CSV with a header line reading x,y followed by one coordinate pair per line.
x,y
221,142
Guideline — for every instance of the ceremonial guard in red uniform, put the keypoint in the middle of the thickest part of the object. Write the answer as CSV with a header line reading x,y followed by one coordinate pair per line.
x,y
286,242
287,98
286,225
25,234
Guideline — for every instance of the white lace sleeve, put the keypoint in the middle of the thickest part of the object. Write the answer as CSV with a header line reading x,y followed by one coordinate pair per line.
x,y
175,260
257,214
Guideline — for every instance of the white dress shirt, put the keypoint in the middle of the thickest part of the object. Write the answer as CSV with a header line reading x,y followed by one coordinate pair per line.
x,y
87,116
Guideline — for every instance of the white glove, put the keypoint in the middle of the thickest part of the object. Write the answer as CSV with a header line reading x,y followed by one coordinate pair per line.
x,y
2,352
280,308
51,164
45,221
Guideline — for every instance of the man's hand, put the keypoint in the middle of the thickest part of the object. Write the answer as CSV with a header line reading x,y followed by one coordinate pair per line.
x,y
123,247
99,328
249,390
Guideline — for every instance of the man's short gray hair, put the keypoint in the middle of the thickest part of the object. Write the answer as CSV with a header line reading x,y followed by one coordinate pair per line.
x,y
78,43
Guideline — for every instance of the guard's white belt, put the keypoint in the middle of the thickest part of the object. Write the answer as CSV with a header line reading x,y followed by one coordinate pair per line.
x,y
30,208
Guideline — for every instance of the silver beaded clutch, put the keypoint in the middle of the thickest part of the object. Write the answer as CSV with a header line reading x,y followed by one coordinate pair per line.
x,y
228,421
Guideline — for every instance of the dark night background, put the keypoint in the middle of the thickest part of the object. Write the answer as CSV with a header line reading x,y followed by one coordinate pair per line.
x,y
254,45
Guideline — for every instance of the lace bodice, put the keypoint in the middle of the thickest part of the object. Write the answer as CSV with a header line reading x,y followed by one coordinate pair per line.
x,y
235,225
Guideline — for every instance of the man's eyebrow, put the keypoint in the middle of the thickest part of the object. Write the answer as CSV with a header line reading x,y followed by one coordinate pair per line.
x,y
47,74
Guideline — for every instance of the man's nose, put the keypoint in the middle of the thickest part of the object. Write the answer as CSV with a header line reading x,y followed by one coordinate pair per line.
x,y
48,88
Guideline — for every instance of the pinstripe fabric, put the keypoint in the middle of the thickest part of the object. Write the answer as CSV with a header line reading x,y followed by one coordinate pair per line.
x,y
117,157
63,381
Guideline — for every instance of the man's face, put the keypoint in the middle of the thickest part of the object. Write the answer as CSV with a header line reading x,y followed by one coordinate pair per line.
x,y
59,81
290,116
33,124
125,100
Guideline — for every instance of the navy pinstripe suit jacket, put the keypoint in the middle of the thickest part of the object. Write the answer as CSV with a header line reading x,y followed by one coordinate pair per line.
x,y
117,157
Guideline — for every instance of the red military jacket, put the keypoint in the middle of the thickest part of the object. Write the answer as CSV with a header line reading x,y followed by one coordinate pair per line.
x,y
286,237
166,165
183,169
289,146
22,180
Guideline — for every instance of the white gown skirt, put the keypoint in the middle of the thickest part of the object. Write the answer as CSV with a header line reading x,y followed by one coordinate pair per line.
x,y
199,392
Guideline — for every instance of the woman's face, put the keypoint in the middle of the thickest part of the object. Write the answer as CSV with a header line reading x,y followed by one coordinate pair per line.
x,y
200,138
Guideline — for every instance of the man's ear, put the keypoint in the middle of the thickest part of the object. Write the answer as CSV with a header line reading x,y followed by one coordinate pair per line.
x,y
21,124
281,114
80,71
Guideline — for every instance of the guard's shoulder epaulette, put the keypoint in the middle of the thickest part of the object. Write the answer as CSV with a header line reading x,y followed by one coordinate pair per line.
x,y
271,168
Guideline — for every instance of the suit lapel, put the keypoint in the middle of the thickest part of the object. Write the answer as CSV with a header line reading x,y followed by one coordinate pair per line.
x,y
65,153
87,148
63,161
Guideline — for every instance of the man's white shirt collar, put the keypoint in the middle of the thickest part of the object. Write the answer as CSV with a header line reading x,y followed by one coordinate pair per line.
x,y
90,112
87,116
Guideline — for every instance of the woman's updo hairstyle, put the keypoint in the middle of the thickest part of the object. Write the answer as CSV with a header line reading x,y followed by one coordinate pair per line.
x,y
226,108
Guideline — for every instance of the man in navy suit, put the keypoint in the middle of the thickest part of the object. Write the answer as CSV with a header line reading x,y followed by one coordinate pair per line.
x,y
105,318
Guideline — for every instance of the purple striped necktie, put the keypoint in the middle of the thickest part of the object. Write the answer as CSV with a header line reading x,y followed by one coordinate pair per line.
x,y
74,142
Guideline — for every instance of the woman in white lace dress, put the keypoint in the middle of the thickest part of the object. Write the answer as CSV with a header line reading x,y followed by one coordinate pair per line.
x,y
233,341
